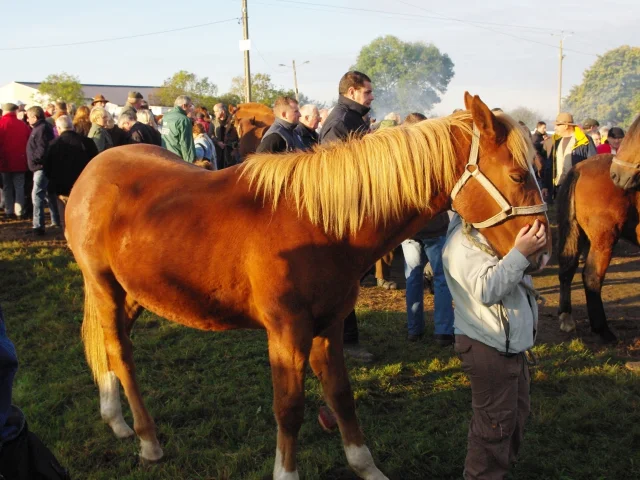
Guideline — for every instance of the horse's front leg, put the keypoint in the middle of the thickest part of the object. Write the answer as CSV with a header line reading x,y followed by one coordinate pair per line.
x,y
327,362
289,354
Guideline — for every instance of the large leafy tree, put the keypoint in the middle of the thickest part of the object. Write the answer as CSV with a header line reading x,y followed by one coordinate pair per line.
x,y
201,90
263,90
62,86
406,76
609,88
528,116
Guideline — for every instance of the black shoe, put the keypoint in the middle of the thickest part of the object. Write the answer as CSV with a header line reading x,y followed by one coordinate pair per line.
x,y
443,340
39,232
415,338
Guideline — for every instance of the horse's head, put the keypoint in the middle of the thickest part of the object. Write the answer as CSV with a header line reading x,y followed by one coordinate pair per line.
x,y
250,133
497,192
625,168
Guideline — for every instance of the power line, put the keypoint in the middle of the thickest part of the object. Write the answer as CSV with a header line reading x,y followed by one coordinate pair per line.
x,y
440,17
478,25
33,47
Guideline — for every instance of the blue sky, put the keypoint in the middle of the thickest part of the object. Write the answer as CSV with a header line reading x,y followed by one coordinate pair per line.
x,y
497,59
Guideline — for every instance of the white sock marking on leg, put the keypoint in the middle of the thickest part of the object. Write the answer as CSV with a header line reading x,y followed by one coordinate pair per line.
x,y
278,469
110,408
361,461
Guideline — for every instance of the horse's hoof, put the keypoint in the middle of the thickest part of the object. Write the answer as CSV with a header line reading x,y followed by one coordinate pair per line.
x,y
150,452
145,462
567,323
607,337
122,430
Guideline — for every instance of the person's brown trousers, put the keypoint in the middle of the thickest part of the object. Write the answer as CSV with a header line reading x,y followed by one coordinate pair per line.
x,y
383,266
500,402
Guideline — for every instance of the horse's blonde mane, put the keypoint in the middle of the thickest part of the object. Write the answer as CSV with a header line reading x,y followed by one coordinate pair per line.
x,y
377,177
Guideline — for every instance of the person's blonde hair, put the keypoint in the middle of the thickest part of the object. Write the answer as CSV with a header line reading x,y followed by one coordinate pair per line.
x,y
147,117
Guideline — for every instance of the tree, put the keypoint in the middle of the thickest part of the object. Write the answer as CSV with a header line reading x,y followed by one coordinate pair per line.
x,y
61,86
526,115
406,76
262,89
608,88
201,91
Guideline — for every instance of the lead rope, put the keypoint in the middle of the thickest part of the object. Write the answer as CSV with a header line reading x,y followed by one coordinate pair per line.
x,y
540,300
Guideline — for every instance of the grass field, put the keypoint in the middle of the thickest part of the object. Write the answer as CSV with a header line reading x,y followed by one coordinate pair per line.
x,y
210,394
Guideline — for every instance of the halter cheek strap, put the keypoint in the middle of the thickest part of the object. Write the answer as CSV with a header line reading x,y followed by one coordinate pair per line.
x,y
472,170
635,166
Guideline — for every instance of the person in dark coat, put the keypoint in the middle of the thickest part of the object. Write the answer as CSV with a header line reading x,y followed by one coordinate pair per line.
x,y
354,102
138,132
282,135
67,156
39,140
309,120
539,136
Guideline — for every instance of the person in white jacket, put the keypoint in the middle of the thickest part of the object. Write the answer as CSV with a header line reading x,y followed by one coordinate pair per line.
x,y
495,322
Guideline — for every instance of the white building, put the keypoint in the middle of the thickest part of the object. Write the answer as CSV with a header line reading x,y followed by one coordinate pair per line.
x,y
28,93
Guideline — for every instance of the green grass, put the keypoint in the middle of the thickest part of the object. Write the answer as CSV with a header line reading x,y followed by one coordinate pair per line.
x,y
210,394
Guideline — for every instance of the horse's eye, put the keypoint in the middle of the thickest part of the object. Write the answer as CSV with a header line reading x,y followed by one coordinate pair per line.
x,y
518,177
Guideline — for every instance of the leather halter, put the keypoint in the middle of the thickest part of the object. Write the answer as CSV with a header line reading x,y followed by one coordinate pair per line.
x,y
635,166
471,170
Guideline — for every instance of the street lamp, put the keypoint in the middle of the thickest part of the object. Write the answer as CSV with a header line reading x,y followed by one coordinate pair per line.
x,y
295,76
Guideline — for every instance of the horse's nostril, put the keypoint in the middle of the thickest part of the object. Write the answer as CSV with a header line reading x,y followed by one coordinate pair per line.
x,y
614,177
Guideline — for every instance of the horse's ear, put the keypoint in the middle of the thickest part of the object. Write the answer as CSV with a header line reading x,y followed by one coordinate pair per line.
x,y
484,118
467,100
253,120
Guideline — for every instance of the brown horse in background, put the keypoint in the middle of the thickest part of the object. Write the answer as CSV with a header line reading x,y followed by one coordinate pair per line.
x,y
625,168
593,214
247,127
304,226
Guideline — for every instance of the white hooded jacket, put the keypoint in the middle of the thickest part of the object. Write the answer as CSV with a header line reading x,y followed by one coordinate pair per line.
x,y
481,284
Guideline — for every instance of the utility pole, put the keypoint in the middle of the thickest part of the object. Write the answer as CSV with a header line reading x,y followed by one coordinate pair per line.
x,y
295,80
295,76
560,77
247,68
562,36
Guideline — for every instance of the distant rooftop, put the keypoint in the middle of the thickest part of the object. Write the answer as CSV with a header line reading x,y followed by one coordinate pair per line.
x,y
114,93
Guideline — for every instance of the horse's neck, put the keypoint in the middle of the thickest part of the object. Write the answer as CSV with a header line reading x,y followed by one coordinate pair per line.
x,y
380,239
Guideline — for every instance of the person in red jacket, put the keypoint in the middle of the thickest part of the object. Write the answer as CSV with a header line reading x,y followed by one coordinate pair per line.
x,y
613,141
14,135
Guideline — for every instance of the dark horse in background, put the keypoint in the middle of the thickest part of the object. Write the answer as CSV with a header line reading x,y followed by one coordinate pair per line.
x,y
305,227
625,168
593,214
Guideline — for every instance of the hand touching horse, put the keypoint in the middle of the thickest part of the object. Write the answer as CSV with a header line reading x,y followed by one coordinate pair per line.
x,y
304,228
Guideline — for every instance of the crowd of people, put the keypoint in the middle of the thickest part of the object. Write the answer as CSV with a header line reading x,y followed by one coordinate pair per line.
x,y
43,151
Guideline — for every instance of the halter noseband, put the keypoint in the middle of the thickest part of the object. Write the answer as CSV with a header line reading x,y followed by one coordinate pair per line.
x,y
507,210
635,166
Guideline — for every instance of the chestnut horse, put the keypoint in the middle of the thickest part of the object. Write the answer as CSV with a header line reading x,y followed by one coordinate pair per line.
x,y
593,214
305,227
625,168
247,127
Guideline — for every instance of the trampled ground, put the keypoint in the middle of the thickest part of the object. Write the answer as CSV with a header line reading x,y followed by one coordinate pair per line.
x,y
210,393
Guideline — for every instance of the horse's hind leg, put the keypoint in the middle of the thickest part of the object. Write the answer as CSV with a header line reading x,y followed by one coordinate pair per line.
x,y
593,276
109,385
109,351
568,264
327,362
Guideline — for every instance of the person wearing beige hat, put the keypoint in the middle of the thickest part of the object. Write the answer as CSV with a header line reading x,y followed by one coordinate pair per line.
x,y
99,101
134,101
570,146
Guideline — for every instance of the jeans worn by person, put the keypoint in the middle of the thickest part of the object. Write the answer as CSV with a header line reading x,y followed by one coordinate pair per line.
x,y
41,195
415,255
13,187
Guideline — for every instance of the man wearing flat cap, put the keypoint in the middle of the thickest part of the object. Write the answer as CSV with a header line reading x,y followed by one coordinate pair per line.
x,y
134,101
570,146
590,126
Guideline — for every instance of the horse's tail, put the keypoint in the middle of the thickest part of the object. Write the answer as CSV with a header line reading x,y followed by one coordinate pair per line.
x,y
569,231
93,337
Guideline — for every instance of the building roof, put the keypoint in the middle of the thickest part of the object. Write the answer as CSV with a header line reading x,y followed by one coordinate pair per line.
x,y
114,93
